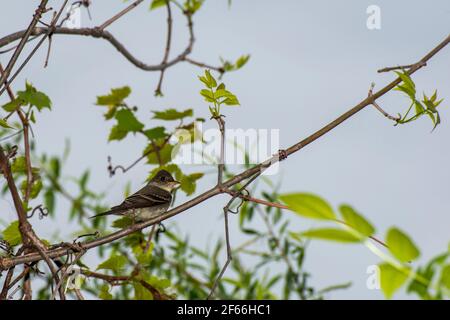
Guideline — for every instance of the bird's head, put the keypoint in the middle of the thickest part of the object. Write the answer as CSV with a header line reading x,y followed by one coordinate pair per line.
x,y
164,180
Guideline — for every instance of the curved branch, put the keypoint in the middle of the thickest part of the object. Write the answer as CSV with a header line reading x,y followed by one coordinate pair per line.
x,y
106,35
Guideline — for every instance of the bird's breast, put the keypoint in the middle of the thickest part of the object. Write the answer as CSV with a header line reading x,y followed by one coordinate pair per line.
x,y
142,214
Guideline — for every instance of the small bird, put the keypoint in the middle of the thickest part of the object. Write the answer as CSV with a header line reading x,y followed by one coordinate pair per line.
x,y
151,201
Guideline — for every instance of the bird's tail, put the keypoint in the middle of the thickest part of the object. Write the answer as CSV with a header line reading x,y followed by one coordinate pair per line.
x,y
103,214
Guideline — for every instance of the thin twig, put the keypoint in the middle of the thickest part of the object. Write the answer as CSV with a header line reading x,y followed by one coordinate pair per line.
x,y
221,70
49,31
23,274
226,210
256,200
119,15
158,90
221,165
375,104
36,17
65,273
78,294
6,284
408,66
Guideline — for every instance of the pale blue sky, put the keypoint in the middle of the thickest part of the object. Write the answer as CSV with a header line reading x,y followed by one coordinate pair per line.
x,y
310,62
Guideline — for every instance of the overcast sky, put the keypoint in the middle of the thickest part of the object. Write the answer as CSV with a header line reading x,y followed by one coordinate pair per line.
x,y
310,62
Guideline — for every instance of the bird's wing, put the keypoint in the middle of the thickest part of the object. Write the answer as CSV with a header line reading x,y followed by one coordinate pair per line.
x,y
148,196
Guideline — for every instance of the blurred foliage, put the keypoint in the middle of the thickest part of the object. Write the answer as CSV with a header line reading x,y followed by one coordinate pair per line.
x,y
270,264
396,270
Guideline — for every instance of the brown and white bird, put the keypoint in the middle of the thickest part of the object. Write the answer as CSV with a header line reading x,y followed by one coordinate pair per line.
x,y
151,201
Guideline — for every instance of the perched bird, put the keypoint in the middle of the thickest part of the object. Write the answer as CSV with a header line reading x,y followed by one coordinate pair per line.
x,y
151,201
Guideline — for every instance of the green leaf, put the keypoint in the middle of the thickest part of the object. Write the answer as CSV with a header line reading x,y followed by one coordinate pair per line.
x,y
159,283
157,4
84,179
418,106
12,105
231,101
188,134
242,61
407,81
144,257
418,287
172,114
188,182
356,221
32,116
401,246
141,293
4,124
55,167
208,80
165,154
331,234
104,293
407,90
208,95
155,133
115,97
445,277
308,205
33,97
193,5
391,279
36,187
122,223
127,121
117,133
12,234
19,165
49,200
114,263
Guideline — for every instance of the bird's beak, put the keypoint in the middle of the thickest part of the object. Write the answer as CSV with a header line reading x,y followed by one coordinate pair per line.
x,y
175,184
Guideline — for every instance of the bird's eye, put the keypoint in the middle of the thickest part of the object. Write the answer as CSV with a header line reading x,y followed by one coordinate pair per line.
x,y
163,179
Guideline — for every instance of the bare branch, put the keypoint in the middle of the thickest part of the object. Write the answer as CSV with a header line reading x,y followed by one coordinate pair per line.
x,y
375,104
120,14
408,66
226,210
221,70
158,90
24,38
28,235
221,165
48,33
